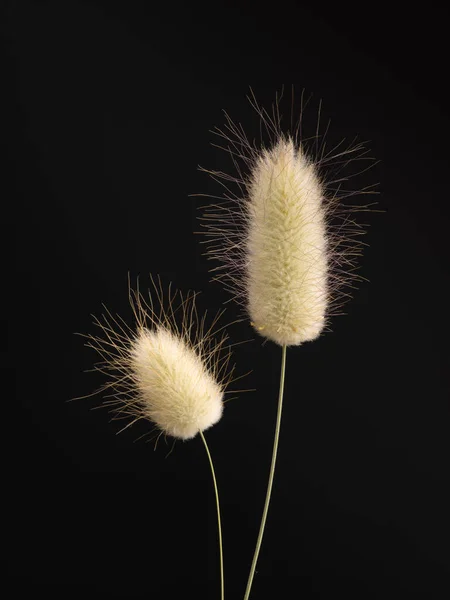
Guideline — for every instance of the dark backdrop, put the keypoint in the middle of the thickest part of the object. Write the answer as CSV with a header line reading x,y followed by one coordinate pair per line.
x,y
109,109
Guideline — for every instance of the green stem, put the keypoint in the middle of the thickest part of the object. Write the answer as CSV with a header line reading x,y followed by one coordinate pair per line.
x,y
271,475
219,524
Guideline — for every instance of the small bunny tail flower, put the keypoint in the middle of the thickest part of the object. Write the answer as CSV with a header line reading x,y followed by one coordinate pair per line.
x,y
285,240
169,369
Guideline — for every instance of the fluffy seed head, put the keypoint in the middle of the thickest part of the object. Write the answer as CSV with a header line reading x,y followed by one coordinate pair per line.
x,y
177,392
286,247
168,368
285,240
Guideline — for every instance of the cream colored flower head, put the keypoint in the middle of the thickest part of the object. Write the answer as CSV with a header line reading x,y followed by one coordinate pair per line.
x,y
285,241
169,369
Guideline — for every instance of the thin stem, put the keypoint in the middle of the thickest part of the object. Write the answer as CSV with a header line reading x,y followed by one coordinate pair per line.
x,y
271,475
219,524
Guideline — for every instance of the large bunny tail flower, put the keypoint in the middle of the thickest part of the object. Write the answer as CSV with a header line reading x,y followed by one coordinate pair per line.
x,y
286,241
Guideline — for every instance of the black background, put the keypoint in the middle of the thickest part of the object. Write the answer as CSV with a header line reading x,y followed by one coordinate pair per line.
x,y
111,106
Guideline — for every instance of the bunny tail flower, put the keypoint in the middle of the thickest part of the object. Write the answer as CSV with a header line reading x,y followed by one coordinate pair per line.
x,y
285,241
286,247
167,370
177,392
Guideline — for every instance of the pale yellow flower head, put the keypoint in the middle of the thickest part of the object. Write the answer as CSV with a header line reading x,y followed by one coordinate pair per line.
x,y
168,369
